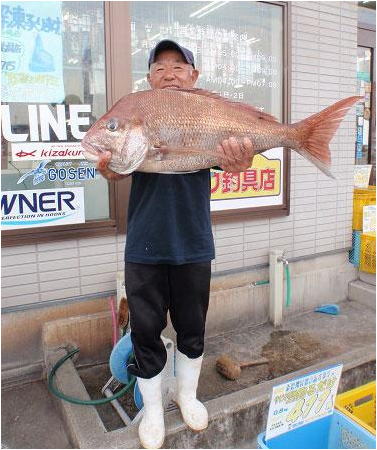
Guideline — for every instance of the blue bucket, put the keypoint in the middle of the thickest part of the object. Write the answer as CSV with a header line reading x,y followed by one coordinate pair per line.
x,y
334,431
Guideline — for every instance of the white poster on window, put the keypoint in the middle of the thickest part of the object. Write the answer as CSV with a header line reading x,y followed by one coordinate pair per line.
x,y
31,52
42,208
259,185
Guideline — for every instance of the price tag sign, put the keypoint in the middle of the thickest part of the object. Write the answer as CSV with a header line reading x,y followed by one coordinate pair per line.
x,y
302,400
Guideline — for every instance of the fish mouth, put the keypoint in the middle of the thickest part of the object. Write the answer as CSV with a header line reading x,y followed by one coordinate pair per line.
x,y
91,151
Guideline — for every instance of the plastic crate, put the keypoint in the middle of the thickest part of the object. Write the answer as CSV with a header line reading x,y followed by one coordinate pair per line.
x,y
361,198
354,253
360,405
334,431
368,253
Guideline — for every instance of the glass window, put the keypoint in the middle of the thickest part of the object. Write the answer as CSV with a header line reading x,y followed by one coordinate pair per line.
x,y
363,109
53,89
238,49
237,46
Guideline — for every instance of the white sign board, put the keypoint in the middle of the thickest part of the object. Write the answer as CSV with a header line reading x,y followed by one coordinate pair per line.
x,y
42,207
361,175
302,400
32,52
369,219
39,151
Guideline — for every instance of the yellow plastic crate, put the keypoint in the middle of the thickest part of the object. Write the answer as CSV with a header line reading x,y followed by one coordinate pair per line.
x,y
360,405
368,252
361,198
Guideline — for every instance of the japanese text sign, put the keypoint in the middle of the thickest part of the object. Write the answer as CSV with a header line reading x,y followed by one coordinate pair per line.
x,y
259,185
302,400
31,52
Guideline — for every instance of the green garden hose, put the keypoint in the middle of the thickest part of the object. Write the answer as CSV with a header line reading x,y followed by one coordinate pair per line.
x,y
288,291
288,300
260,283
78,401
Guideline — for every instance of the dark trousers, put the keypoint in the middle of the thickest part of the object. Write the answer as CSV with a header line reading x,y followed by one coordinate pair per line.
x,y
153,290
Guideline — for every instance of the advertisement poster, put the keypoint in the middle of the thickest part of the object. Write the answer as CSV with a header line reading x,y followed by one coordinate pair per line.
x,y
42,207
361,175
302,400
259,185
369,219
38,151
31,52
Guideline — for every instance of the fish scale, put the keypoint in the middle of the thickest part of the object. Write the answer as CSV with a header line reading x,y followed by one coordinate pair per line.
x,y
180,130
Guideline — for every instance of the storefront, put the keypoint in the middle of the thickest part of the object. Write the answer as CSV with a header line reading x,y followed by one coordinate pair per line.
x,y
69,83
65,63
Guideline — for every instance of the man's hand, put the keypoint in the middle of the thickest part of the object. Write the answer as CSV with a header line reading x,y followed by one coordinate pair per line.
x,y
103,169
236,157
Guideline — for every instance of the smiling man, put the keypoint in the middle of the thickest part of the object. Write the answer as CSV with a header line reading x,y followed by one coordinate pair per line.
x,y
168,257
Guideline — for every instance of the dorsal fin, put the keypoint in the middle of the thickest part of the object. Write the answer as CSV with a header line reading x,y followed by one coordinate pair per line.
x,y
247,108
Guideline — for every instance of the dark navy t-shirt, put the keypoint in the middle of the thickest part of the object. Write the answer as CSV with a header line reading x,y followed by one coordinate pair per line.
x,y
169,219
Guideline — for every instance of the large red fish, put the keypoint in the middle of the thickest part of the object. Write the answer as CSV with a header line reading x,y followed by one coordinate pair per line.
x,y
172,131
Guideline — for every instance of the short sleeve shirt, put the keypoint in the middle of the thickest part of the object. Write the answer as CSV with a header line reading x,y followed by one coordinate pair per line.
x,y
169,219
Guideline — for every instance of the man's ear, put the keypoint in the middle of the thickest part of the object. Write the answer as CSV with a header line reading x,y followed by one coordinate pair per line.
x,y
194,75
149,79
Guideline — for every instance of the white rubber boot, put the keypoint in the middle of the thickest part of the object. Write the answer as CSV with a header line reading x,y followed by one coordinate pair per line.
x,y
187,371
152,427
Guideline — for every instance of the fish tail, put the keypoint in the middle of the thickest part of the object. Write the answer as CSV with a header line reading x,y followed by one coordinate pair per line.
x,y
316,132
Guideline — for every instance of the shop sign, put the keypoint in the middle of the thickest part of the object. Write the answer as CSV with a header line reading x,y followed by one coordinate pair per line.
x,y
40,173
259,185
41,117
302,400
32,52
38,151
42,207
369,219
361,175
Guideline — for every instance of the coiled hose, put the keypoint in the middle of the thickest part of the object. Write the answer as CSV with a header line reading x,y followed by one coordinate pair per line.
x,y
79,401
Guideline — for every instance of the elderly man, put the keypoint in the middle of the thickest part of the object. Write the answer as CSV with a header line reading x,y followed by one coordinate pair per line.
x,y
168,257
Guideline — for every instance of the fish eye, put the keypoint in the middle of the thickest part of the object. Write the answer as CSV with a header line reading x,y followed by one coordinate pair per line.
x,y
112,125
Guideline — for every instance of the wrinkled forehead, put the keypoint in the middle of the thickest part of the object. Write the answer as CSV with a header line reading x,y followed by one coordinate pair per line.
x,y
169,57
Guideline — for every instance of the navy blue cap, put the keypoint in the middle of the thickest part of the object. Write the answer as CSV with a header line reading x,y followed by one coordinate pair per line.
x,y
166,44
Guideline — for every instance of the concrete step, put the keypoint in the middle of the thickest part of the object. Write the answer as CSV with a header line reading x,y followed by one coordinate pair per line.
x,y
362,292
369,278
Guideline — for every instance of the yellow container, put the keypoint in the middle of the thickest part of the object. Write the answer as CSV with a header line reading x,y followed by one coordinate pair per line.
x,y
361,198
368,252
360,405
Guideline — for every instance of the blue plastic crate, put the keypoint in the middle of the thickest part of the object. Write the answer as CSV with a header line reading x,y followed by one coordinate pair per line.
x,y
354,253
335,431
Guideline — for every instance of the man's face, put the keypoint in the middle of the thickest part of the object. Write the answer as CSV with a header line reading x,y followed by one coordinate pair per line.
x,y
171,71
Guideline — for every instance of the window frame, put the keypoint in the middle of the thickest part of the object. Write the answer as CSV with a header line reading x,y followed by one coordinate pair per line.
x,y
366,37
115,89
258,212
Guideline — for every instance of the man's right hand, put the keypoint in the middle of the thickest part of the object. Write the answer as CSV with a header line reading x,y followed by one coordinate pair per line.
x,y
103,169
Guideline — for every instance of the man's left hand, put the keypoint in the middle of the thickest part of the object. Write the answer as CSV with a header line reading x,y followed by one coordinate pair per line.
x,y
236,157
